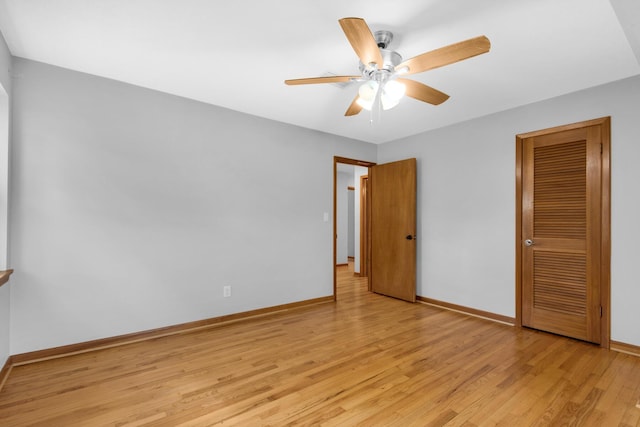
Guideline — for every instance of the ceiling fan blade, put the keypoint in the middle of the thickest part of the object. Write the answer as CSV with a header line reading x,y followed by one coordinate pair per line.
x,y
315,80
354,108
422,92
362,40
446,55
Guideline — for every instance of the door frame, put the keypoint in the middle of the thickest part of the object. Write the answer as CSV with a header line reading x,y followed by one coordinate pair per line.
x,y
365,245
605,229
354,162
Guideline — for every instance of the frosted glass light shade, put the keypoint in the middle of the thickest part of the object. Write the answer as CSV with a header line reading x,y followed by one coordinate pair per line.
x,y
392,92
367,94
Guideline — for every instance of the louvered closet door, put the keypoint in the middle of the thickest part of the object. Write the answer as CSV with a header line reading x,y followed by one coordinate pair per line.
x,y
561,233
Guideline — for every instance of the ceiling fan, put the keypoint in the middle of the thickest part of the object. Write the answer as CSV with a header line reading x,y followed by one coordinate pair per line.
x,y
381,69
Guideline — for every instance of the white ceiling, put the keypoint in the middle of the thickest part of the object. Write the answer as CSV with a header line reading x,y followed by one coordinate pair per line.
x,y
236,54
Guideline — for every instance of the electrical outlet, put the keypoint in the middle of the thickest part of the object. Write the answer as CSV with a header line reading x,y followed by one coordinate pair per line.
x,y
226,291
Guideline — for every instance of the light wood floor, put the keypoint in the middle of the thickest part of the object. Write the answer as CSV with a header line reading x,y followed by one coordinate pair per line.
x,y
366,360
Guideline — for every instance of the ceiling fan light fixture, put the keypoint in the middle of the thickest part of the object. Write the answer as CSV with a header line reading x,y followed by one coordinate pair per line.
x,y
368,90
392,93
388,103
364,103
393,90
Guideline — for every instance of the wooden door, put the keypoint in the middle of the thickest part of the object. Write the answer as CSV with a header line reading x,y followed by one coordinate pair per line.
x,y
393,229
561,230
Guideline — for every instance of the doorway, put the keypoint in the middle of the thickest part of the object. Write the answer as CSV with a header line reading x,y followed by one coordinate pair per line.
x,y
390,228
563,249
355,169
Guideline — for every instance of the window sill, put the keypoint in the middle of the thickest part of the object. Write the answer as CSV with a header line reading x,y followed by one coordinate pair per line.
x,y
4,276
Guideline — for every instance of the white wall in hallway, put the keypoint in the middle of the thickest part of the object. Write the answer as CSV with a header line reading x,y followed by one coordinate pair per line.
x,y
342,213
359,171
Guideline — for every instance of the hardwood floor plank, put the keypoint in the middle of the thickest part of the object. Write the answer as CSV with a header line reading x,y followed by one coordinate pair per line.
x,y
365,360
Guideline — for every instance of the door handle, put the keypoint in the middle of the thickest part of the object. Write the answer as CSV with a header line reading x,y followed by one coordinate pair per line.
x,y
529,242
410,237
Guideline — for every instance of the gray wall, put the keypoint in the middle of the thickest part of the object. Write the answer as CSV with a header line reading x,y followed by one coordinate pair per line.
x,y
466,201
5,93
134,208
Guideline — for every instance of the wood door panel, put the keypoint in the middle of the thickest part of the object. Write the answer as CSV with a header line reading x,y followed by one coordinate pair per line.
x,y
393,218
561,324
561,214
559,282
559,187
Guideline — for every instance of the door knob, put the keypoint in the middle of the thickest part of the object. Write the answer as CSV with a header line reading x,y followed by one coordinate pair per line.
x,y
410,237
528,242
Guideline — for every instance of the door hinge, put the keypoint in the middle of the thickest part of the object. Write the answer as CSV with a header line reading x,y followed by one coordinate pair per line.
x,y
600,311
601,148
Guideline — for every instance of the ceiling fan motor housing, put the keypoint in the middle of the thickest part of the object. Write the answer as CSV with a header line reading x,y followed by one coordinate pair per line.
x,y
390,58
